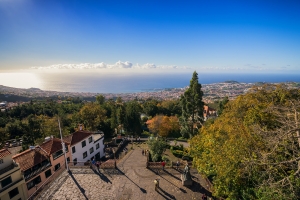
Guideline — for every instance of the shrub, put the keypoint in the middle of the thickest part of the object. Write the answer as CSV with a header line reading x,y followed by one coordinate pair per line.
x,y
146,134
177,153
178,147
156,147
168,146
181,146
165,158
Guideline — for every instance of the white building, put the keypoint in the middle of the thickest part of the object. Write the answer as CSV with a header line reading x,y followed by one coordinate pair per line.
x,y
85,146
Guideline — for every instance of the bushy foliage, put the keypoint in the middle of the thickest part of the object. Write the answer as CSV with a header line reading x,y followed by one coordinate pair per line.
x,y
252,150
163,125
157,147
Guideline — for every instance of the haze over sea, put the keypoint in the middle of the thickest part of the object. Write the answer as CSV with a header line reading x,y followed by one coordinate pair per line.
x,y
128,82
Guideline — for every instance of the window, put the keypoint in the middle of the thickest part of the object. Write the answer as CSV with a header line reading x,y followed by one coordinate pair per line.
x,y
73,150
1,161
75,161
13,193
6,182
97,146
91,150
34,182
48,173
56,167
83,143
90,139
68,159
84,154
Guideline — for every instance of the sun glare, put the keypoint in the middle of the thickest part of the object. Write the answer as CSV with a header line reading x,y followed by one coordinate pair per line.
x,y
20,80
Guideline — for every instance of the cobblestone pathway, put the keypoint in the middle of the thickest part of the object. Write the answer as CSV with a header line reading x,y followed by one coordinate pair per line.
x,y
132,180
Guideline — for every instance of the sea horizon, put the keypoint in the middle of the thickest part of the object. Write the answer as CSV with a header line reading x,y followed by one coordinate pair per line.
x,y
129,83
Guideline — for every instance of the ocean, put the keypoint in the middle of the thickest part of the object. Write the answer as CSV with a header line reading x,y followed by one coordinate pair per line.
x,y
128,82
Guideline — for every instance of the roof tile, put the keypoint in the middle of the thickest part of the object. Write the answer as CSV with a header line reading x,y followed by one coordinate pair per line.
x,y
30,157
53,145
4,153
77,136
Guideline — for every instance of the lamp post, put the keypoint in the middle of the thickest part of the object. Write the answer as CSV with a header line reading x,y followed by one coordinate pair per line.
x,y
63,145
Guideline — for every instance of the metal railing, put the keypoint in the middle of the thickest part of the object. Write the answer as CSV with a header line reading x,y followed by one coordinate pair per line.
x,y
109,164
37,171
168,165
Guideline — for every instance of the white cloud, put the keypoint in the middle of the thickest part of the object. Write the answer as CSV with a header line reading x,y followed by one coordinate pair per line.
x,y
102,65
120,65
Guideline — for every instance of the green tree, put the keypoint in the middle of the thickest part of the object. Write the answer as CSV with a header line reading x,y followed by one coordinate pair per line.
x,y
100,99
192,108
132,121
33,131
252,150
170,107
156,147
221,105
92,115
3,136
121,114
150,107
16,128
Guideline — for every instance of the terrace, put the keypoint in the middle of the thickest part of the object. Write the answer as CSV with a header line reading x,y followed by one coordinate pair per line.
x,y
31,172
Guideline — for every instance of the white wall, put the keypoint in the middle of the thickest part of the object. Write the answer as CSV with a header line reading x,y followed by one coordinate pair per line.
x,y
101,147
80,150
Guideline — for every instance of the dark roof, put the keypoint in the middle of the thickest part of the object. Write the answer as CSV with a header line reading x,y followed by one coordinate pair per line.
x,y
4,153
53,145
77,136
30,157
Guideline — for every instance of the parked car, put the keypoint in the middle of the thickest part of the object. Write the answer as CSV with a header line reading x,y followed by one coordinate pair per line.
x,y
14,144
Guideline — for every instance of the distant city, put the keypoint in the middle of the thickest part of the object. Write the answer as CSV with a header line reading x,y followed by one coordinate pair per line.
x,y
212,92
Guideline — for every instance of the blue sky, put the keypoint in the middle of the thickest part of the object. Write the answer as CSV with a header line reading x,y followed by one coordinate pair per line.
x,y
218,36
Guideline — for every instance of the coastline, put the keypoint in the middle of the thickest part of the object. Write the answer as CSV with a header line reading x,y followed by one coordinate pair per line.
x,y
212,92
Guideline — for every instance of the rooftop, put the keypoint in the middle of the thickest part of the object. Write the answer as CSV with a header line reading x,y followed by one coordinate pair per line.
x,y
31,157
52,145
4,153
77,136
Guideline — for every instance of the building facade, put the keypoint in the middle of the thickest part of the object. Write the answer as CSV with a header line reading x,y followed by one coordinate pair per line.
x,y
85,146
39,163
12,183
53,148
33,163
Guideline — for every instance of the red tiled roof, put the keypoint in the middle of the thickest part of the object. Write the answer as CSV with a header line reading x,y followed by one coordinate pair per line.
x,y
77,136
4,153
53,145
30,158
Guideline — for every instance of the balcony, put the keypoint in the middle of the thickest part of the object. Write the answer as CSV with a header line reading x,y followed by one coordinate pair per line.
x,y
8,168
36,170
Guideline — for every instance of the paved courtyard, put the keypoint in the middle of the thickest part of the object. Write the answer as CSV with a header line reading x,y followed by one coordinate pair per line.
x,y
132,180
